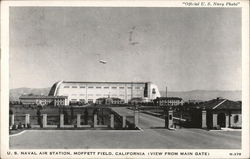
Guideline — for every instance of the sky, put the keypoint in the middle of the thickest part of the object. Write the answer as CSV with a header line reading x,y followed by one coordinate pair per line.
x,y
182,48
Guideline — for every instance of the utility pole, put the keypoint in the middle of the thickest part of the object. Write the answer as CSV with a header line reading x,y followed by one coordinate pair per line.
x,y
166,91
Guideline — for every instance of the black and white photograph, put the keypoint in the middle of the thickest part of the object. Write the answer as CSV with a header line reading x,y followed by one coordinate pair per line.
x,y
128,78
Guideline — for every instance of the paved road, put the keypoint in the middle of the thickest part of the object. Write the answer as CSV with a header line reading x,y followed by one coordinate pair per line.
x,y
153,136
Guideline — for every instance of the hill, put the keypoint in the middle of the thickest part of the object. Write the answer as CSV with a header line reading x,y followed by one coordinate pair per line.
x,y
204,94
16,93
186,95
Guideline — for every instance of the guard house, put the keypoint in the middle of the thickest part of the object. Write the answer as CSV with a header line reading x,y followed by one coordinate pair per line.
x,y
219,113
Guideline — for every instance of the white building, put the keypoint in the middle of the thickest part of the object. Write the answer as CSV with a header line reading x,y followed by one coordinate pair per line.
x,y
88,92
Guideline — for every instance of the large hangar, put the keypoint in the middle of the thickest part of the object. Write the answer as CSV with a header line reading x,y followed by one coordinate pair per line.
x,y
88,92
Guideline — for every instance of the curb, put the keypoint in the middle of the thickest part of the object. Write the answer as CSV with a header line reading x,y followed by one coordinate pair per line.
x,y
17,133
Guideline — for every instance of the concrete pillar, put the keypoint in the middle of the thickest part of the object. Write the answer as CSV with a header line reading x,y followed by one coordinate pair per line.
x,y
12,119
215,120
227,121
27,120
124,122
170,119
112,120
78,120
61,120
44,120
204,119
95,120
136,115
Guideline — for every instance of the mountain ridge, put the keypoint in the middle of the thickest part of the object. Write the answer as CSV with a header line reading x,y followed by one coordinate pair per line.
x,y
15,93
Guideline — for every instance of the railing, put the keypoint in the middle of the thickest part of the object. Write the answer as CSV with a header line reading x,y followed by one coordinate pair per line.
x,y
44,122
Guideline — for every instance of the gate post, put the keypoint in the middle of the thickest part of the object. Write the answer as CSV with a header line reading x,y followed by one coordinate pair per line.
x,y
204,119
12,119
170,119
136,116
112,120
123,121
27,120
95,120
215,120
227,121
44,120
61,120
78,120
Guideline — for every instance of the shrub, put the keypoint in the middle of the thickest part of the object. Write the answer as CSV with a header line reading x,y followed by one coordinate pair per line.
x,y
20,126
28,126
11,112
14,127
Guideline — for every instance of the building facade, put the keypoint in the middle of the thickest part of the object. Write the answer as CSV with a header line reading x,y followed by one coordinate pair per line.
x,y
168,101
43,100
89,92
109,101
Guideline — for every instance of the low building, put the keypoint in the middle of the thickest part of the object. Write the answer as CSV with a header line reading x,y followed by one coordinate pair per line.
x,y
218,113
136,101
168,101
43,100
109,101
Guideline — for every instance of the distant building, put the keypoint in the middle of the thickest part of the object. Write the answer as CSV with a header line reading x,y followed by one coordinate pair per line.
x,y
109,101
168,101
43,100
89,92
194,101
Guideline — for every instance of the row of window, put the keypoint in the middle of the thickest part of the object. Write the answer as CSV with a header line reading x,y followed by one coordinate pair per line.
x,y
98,87
170,102
113,95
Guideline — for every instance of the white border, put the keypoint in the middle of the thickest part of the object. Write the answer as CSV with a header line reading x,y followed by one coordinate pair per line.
x,y
221,153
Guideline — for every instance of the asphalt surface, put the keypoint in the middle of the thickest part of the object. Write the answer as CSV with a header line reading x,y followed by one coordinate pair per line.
x,y
152,136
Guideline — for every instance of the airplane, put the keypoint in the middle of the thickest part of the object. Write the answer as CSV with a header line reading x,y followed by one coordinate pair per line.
x,y
102,61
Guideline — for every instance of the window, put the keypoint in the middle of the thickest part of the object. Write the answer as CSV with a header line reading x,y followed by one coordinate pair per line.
x,y
137,87
82,86
90,87
170,117
82,94
121,87
98,87
153,91
114,87
90,94
236,118
74,87
129,87
106,87
66,87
